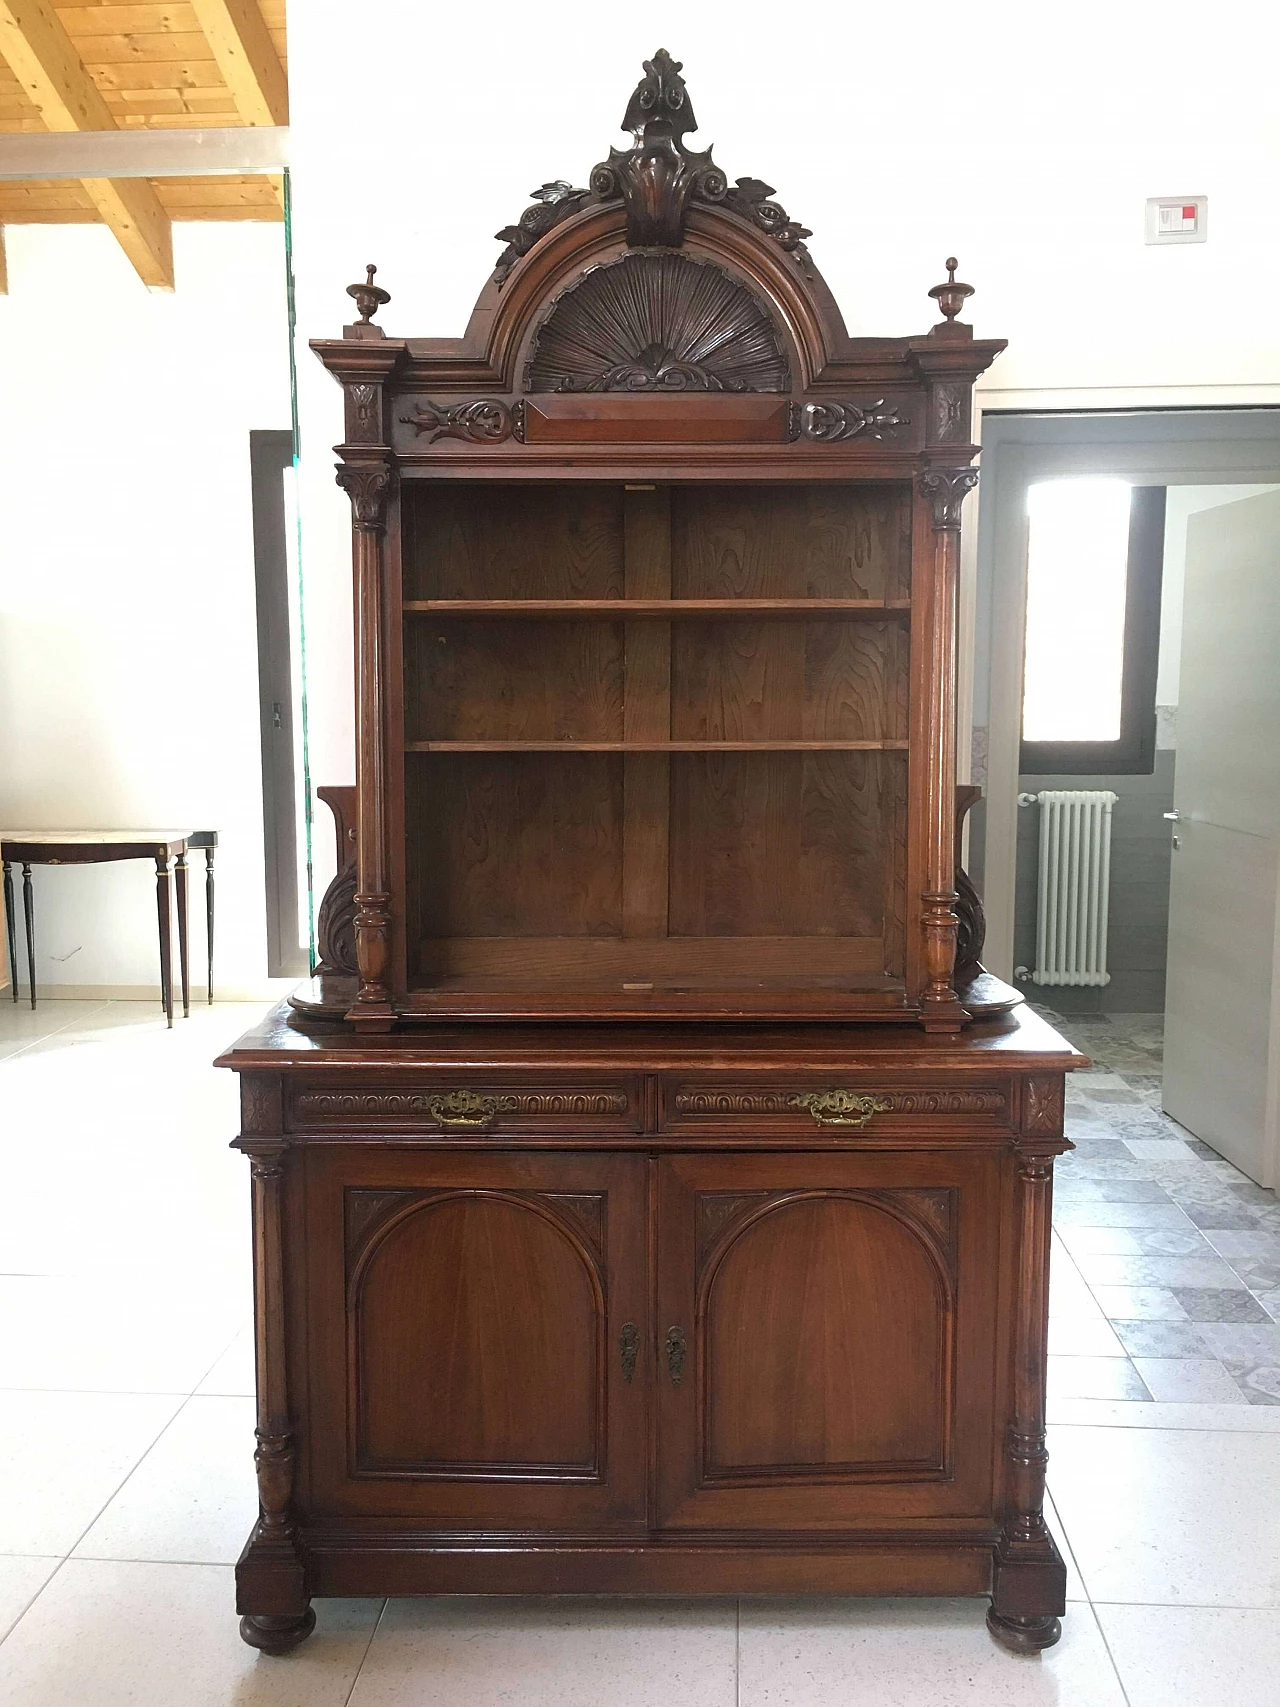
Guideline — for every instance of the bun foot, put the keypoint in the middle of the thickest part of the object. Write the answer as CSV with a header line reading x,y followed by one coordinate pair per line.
x,y
276,1635
1023,1635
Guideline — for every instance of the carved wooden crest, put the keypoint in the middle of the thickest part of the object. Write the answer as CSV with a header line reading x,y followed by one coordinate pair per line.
x,y
656,179
657,322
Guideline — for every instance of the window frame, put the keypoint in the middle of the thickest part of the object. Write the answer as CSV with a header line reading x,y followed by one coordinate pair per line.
x,y
1134,752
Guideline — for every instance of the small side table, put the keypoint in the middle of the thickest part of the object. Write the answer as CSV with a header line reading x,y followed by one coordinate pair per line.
x,y
94,847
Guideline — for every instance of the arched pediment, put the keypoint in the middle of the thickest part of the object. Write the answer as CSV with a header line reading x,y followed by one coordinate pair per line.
x,y
662,210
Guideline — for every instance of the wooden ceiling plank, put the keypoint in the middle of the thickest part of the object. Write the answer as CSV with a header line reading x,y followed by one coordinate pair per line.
x,y
141,49
82,21
173,74
247,58
39,51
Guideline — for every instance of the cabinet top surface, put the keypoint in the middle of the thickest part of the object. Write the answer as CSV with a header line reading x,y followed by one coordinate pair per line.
x,y
1017,1042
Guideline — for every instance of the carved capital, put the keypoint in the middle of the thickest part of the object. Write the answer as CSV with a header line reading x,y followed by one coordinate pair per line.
x,y
367,489
480,420
946,489
1035,1167
829,422
266,1162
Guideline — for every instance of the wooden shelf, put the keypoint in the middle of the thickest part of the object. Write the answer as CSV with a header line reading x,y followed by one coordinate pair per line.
x,y
655,746
661,609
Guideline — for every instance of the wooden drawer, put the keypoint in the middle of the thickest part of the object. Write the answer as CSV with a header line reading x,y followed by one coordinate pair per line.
x,y
462,1105
834,1107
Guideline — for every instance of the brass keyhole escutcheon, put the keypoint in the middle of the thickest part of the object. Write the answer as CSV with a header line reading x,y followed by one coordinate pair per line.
x,y
628,1350
675,1347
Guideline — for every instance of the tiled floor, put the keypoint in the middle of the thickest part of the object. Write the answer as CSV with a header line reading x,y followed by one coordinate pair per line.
x,y
126,1484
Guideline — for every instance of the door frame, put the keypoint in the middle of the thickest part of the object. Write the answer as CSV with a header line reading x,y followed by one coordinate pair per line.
x,y
270,454
1152,447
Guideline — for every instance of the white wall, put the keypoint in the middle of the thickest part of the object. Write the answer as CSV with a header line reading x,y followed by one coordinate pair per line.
x,y
1023,139
128,652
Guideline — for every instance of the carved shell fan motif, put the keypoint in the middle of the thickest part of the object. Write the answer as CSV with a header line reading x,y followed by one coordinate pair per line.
x,y
657,322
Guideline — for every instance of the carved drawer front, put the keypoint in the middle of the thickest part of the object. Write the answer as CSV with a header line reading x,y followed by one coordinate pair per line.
x,y
468,1105
834,1107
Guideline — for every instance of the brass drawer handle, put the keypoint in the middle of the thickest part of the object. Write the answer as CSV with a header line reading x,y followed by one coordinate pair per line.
x,y
675,1346
841,1108
628,1348
468,1109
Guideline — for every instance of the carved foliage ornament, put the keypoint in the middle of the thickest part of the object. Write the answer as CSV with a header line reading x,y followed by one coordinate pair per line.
x,y
656,179
832,421
481,420
657,322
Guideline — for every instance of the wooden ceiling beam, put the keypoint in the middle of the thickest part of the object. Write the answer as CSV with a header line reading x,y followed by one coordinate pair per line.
x,y
246,56
42,58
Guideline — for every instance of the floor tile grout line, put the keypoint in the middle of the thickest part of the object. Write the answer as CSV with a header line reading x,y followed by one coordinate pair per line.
x,y
377,1625
35,1597
1097,1623
128,1477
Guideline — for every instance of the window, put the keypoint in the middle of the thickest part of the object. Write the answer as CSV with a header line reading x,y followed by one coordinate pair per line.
x,y
1095,550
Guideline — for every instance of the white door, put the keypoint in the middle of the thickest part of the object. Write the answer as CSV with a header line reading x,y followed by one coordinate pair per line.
x,y
1222,1006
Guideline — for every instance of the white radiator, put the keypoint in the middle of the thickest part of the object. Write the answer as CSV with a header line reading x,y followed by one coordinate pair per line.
x,y
1072,895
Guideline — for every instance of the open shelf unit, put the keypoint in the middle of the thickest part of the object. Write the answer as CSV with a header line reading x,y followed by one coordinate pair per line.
x,y
655,740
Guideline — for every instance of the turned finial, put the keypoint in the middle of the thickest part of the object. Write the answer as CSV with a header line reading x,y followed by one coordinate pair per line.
x,y
369,298
950,298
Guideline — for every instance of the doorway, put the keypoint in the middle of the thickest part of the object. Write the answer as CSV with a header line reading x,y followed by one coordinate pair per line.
x,y
1083,561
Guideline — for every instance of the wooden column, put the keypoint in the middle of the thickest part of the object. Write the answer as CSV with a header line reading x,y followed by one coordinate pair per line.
x,y
367,485
945,489
1029,1578
271,1591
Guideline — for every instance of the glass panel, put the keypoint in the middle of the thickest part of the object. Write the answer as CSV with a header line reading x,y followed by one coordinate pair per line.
x,y
1077,562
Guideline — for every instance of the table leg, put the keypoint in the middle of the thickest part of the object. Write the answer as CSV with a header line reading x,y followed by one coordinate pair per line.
x,y
164,908
29,919
11,927
184,966
208,913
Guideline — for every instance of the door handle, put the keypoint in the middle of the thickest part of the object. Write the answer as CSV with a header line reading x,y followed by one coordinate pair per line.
x,y
675,1348
1173,817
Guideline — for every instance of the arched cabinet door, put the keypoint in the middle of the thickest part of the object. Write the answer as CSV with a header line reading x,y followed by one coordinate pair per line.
x,y
827,1350
480,1337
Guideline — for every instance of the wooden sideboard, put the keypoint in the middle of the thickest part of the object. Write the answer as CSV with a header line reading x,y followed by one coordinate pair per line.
x,y
640,1311
651,1190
